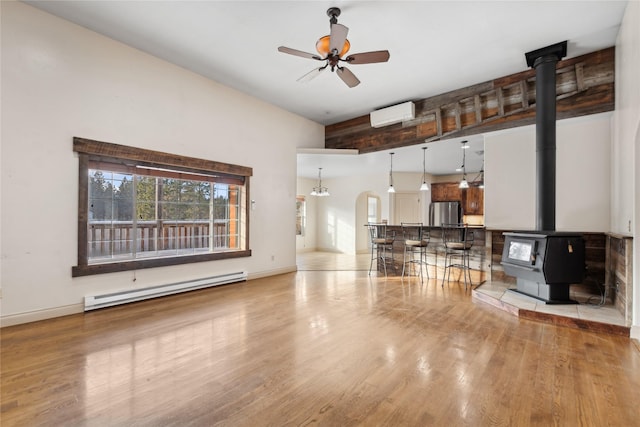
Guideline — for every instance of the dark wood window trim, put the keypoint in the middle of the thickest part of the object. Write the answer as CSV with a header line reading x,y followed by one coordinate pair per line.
x,y
126,156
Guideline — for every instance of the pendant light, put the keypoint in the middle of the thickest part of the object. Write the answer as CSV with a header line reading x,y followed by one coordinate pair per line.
x,y
391,189
478,181
464,184
424,186
320,191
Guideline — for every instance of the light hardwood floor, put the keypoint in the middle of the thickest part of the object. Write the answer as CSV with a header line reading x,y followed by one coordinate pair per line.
x,y
325,261
332,348
589,308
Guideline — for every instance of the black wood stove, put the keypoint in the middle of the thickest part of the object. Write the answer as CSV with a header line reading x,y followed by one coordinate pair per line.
x,y
545,263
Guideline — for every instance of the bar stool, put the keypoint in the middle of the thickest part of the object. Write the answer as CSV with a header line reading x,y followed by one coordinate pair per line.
x,y
415,243
457,241
381,242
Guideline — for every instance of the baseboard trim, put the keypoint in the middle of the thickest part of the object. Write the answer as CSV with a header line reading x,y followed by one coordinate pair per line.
x,y
37,315
275,272
635,332
305,250
50,313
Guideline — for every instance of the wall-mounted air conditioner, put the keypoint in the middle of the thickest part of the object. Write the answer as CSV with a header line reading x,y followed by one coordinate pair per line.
x,y
394,114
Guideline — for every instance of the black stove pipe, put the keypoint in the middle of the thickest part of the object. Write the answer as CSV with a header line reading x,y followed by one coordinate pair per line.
x,y
544,62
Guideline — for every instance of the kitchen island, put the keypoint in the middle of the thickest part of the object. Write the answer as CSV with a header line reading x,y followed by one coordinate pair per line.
x,y
480,256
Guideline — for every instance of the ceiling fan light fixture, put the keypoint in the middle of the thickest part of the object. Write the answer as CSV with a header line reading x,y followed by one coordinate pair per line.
x,y
322,46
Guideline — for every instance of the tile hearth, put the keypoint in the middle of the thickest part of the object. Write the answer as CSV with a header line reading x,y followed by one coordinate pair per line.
x,y
587,314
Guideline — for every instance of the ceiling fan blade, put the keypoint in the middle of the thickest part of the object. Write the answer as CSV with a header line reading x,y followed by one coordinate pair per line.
x,y
337,37
368,57
348,77
311,74
298,53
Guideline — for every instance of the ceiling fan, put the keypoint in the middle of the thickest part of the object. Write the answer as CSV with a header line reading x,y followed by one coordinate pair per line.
x,y
332,48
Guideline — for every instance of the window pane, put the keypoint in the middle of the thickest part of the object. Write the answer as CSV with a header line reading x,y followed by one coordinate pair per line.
x,y
300,215
100,196
123,197
109,201
372,209
145,189
99,240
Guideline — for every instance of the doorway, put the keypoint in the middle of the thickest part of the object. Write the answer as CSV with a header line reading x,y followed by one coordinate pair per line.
x,y
368,209
407,207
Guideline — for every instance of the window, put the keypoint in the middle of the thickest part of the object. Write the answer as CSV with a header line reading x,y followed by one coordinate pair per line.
x,y
301,215
372,209
141,208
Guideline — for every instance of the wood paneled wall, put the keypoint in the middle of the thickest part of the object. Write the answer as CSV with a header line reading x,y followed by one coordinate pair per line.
x,y
619,273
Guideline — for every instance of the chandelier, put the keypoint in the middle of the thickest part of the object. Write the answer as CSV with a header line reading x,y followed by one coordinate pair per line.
x,y
320,191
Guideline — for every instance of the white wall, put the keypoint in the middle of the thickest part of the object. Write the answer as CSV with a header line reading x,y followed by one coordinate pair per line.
x,y
336,222
452,178
626,120
509,179
625,203
583,171
582,176
336,215
60,80
362,233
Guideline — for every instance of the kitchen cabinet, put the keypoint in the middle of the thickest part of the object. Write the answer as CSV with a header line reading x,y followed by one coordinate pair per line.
x,y
437,193
473,201
446,192
472,198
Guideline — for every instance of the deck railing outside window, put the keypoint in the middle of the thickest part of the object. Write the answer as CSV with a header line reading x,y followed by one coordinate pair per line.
x,y
116,239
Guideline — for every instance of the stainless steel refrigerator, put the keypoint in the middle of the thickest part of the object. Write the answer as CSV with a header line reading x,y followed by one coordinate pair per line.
x,y
444,213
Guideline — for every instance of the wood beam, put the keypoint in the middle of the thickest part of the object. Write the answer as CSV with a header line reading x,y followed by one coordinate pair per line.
x,y
585,85
478,107
524,90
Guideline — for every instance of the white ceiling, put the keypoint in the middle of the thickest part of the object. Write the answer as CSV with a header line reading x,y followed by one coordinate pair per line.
x,y
435,46
441,158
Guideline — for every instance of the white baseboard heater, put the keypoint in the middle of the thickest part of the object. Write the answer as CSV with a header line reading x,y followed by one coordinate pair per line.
x,y
92,302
